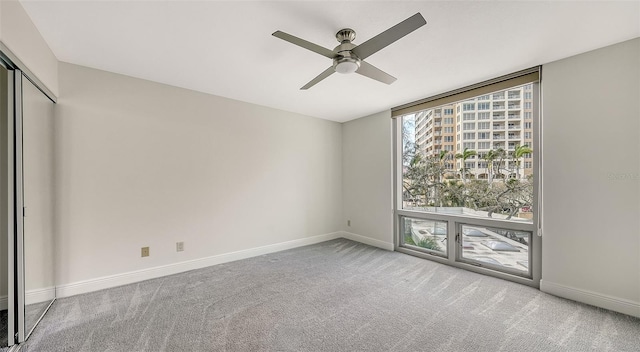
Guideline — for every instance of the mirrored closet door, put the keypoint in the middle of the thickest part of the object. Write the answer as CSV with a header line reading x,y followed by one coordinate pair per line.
x,y
38,217
5,203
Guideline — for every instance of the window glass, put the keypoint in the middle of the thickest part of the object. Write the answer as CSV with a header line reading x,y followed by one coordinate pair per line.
x,y
425,234
501,248
496,183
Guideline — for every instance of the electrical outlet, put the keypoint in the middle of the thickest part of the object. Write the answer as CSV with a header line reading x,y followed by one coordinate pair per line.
x,y
145,252
179,246
348,222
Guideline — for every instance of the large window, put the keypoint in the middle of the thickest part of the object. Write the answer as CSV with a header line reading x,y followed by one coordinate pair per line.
x,y
473,205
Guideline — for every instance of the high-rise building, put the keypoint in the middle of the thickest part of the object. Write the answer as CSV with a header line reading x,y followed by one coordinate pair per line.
x,y
499,121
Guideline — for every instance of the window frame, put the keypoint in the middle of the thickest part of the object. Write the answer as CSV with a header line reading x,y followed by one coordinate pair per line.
x,y
454,222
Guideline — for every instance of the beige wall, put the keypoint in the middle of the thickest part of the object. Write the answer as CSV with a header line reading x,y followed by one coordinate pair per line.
x,y
367,177
591,141
144,164
21,36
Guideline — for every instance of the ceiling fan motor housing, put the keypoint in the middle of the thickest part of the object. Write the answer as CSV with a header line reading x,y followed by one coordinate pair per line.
x,y
346,34
345,61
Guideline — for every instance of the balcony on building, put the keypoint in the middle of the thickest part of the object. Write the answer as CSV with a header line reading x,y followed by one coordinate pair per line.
x,y
514,126
514,115
498,105
498,135
498,115
514,94
498,126
514,105
498,96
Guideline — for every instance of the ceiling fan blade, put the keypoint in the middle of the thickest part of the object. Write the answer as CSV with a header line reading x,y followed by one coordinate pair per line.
x,y
305,44
389,36
373,72
326,73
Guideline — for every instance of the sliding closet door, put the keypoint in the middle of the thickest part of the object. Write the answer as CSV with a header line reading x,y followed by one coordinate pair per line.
x,y
37,177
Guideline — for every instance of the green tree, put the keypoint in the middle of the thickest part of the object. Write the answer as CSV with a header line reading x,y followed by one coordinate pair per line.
x,y
466,154
415,180
511,196
479,195
422,179
498,165
490,156
453,194
518,153
442,157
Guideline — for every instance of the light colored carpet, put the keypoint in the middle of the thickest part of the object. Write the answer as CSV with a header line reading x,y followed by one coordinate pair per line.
x,y
333,296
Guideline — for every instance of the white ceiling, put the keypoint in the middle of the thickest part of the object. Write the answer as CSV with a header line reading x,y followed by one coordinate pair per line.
x,y
226,48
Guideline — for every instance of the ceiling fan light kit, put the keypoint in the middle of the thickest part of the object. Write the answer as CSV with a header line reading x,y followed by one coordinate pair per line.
x,y
349,58
346,65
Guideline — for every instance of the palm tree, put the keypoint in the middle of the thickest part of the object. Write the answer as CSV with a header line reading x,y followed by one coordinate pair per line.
x,y
520,151
466,154
442,157
490,156
499,155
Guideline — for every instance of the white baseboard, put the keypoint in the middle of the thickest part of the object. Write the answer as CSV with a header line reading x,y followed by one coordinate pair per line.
x,y
39,295
595,299
367,240
100,283
4,302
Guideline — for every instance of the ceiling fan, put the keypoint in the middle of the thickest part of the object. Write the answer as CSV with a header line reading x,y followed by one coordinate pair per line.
x,y
348,57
